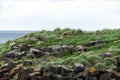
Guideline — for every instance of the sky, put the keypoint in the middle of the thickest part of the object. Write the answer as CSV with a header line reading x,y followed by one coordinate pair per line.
x,y
87,15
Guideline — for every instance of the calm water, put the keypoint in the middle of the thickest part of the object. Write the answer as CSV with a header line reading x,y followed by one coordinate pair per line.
x,y
10,35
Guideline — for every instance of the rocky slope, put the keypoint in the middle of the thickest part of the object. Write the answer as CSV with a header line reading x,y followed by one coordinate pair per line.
x,y
65,54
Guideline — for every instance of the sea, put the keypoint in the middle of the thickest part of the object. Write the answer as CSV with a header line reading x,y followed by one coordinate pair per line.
x,y
11,35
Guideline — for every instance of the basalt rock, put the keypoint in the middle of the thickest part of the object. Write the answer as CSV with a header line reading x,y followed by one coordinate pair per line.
x,y
37,53
93,43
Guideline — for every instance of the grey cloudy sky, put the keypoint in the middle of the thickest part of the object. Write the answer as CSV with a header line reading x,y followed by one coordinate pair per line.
x,y
49,14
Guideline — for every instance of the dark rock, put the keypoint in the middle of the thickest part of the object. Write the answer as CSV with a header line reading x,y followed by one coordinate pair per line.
x,y
67,78
8,66
24,47
2,72
49,76
37,53
41,38
36,78
23,74
27,63
93,43
78,68
105,76
43,70
66,71
55,69
118,61
13,55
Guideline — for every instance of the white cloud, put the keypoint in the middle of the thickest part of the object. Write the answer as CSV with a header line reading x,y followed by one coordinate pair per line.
x,y
54,13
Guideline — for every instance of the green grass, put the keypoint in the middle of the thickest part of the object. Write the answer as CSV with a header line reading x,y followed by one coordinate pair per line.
x,y
93,56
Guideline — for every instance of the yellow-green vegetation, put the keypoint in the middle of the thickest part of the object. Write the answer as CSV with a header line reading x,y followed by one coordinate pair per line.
x,y
92,57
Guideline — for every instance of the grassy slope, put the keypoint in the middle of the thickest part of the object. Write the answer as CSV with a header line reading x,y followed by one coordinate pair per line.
x,y
77,37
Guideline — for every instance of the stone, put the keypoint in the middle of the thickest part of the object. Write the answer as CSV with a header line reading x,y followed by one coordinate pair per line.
x,y
55,69
27,63
93,43
78,68
107,55
37,53
105,76
66,71
80,49
23,74
118,61
40,38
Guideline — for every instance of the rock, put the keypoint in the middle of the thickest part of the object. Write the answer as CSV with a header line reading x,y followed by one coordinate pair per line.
x,y
49,76
24,47
40,38
93,43
58,50
2,72
55,69
118,61
23,74
37,53
67,78
14,46
36,78
105,76
66,71
78,68
8,66
80,49
107,55
43,70
27,63
13,55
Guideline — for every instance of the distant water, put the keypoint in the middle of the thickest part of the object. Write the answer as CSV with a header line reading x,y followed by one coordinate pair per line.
x,y
10,35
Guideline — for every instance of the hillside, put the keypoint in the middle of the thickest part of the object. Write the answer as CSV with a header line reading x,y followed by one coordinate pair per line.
x,y
62,54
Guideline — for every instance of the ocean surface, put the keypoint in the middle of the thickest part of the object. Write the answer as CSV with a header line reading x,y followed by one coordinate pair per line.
x,y
10,35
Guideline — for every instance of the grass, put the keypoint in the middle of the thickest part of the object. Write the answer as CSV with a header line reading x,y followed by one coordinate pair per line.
x,y
93,56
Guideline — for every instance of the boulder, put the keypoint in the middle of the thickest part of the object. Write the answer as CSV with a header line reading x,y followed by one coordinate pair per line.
x,y
55,69
59,50
107,54
93,43
80,49
78,68
66,71
13,55
105,76
25,47
37,53
23,73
